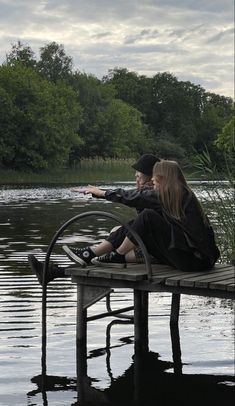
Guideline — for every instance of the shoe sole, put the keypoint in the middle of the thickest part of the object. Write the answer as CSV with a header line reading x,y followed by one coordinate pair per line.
x,y
107,264
74,257
33,266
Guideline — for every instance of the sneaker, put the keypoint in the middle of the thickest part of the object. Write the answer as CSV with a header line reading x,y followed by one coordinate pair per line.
x,y
81,256
37,269
113,260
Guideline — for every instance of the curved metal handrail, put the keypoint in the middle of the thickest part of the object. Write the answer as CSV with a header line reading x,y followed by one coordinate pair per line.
x,y
47,259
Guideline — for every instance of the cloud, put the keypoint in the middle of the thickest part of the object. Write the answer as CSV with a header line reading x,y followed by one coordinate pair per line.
x,y
191,39
226,34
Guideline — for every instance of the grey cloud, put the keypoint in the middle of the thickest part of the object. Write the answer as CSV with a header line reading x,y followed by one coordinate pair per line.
x,y
144,34
186,37
221,35
102,35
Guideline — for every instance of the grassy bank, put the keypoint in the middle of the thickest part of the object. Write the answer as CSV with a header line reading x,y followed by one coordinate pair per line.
x,y
90,170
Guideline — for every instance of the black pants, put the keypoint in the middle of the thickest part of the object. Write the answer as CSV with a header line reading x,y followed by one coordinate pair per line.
x,y
155,232
117,237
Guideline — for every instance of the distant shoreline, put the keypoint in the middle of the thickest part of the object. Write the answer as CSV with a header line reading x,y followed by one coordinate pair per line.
x,y
80,176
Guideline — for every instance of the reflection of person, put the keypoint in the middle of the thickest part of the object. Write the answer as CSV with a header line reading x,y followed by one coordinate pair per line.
x,y
143,177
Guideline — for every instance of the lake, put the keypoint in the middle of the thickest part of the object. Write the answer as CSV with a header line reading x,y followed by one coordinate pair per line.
x,y
29,217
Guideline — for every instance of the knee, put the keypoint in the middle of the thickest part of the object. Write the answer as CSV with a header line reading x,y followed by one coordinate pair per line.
x,y
114,229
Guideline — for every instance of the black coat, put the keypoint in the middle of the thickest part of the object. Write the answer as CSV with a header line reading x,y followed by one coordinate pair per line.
x,y
194,231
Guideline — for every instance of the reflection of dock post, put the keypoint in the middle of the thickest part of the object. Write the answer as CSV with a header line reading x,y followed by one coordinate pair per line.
x,y
81,342
141,321
175,337
141,339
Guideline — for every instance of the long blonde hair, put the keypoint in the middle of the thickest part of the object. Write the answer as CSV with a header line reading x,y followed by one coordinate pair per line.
x,y
172,187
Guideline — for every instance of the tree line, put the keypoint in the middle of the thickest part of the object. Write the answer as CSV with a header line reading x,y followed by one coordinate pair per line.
x,y
52,115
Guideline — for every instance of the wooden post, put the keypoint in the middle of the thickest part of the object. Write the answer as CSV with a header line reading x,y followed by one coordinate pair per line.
x,y
175,308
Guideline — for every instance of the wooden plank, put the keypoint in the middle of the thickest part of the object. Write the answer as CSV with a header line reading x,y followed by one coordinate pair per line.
x,y
176,280
109,273
163,278
206,284
166,273
231,287
221,285
199,282
162,275
190,282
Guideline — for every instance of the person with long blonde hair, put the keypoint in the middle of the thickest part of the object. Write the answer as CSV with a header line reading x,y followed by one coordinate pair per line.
x,y
172,224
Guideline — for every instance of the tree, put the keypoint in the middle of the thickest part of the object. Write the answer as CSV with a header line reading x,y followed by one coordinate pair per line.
x,y
93,96
121,130
39,120
21,53
110,127
54,64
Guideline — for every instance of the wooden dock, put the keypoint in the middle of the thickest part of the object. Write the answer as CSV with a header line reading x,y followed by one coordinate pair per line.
x,y
96,282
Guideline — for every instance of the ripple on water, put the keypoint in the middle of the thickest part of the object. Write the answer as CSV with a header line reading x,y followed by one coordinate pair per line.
x,y
206,325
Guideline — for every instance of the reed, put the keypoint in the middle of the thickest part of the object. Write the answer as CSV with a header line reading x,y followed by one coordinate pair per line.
x,y
219,203
88,171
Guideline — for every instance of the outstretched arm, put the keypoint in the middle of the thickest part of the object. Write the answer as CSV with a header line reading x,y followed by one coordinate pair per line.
x,y
95,191
140,199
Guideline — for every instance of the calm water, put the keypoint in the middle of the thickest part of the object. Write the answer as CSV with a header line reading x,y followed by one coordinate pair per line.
x,y
28,220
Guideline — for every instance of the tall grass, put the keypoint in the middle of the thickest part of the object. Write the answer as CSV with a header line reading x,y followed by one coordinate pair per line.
x,y
89,170
220,206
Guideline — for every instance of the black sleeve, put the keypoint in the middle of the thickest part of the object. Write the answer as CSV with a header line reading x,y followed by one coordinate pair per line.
x,y
140,199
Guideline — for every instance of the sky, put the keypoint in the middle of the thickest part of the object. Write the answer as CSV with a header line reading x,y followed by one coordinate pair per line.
x,y
192,39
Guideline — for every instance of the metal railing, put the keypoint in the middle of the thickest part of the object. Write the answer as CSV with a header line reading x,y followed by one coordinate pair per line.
x,y
47,260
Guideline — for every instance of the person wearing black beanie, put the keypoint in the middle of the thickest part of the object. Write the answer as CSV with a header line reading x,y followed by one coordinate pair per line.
x,y
143,177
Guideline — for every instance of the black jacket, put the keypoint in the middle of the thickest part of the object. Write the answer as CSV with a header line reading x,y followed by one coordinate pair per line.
x,y
193,232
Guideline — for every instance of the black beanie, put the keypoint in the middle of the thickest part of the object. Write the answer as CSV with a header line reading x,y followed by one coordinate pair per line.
x,y
145,164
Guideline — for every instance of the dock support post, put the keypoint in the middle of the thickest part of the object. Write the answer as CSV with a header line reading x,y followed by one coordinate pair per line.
x,y
175,308
141,321
81,343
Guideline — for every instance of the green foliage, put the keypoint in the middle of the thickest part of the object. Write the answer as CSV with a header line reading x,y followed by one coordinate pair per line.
x,y
220,196
121,129
225,142
168,149
110,127
38,120
123,115
175,111
89,170
23,54
54,64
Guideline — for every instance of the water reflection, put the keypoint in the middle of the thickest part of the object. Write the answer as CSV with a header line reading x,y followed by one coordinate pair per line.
x,y
146,382
28,220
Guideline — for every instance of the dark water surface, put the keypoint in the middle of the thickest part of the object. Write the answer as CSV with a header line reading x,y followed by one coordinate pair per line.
x,y
29,218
